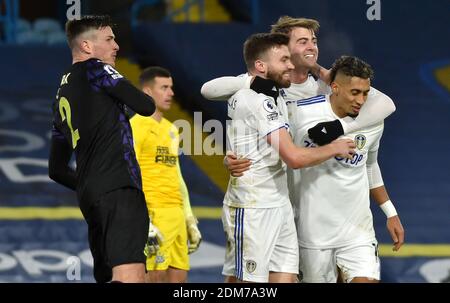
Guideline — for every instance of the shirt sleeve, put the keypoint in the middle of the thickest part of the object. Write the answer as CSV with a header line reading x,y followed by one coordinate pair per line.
x,y
103,77
377,107
59,158
222,88
323,88
267,116
373,169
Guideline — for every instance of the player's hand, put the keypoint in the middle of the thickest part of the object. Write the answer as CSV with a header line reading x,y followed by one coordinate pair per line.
x,y
194,235
344,148
325,132
396,231
236,166
154,240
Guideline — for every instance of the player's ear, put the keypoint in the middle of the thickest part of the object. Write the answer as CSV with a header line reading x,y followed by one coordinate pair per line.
x,y
260,66
334,88
147,90
86,46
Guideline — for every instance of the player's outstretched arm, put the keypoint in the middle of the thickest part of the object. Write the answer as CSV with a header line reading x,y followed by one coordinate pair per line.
x,y
379,194
104,77
131,96
222,88
377,107
299,157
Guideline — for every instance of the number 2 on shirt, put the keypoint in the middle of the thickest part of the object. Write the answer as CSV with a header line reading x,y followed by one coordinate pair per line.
x,y
64,110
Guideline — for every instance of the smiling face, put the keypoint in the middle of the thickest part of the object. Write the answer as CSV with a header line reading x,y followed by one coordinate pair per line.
x,y
278,65
349,95
303,47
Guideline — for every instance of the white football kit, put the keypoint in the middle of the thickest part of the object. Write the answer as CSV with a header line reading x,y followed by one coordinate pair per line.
x,y
257,214
333,201
377,107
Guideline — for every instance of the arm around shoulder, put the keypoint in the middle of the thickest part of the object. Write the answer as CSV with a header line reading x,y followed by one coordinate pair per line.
x,y
222,88
299,157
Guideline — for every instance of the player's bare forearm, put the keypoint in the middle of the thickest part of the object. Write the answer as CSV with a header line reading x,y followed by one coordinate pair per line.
x,y
299,157
322,73
379,194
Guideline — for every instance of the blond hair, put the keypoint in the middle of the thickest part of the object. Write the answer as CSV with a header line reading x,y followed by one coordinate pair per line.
x,y
286,24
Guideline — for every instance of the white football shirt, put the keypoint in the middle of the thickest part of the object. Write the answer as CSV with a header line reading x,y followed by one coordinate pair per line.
x,y
333,199
253,117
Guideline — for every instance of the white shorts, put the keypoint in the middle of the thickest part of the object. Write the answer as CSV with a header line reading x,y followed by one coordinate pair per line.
x,y
356,260
259,241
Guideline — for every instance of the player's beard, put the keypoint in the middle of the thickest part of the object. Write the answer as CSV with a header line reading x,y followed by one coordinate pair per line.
x,y
278,78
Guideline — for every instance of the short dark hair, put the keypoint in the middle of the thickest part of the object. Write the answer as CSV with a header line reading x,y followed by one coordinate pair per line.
x,y
150,73
257,44
76,27
351,66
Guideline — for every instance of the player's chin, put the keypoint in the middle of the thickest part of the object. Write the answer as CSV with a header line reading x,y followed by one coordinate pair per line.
x,y
284,83
111,61
309,62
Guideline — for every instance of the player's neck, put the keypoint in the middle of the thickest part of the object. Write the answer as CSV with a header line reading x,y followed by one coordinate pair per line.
x,y
299,75
157,115
79,57
336,110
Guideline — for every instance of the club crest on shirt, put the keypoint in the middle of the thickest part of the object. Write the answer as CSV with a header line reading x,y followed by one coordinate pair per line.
x,y
360,141
250,265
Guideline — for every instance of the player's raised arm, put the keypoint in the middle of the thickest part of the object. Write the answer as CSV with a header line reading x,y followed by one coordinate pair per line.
x,y
222,88
104,76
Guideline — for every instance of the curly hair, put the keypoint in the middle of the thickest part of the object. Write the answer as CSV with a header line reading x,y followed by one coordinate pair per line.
x,y
351,66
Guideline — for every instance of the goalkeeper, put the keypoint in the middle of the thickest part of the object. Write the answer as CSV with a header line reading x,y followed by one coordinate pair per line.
x,y
173,232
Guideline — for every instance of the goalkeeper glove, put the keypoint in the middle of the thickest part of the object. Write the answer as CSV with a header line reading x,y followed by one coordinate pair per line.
x,y
325,132
154,240
194,235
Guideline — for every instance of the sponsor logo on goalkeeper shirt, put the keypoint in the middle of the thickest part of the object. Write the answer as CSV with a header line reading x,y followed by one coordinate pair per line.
x,y
163,156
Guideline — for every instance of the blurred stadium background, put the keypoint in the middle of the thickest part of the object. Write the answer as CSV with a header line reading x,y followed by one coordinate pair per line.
x,y
409,48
